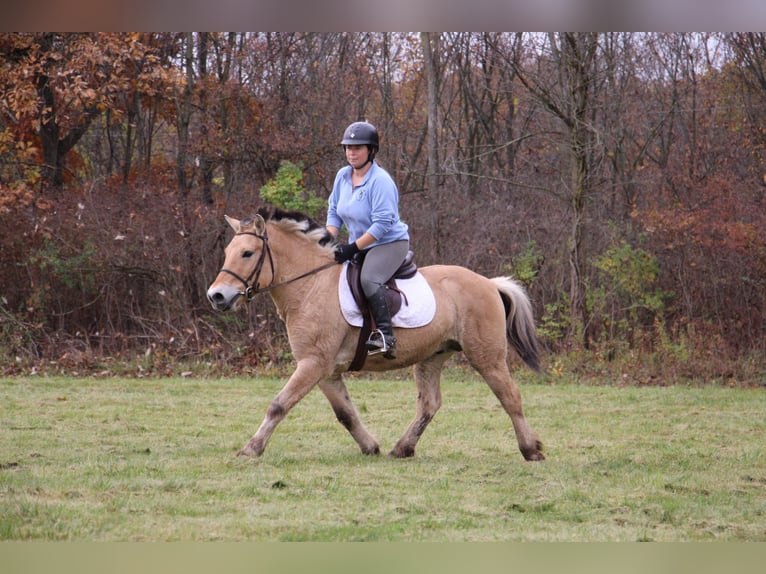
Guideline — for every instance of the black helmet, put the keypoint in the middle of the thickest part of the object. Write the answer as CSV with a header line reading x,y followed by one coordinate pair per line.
x,y
361,133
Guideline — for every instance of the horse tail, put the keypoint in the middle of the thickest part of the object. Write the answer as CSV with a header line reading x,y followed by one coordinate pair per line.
x,y
520,324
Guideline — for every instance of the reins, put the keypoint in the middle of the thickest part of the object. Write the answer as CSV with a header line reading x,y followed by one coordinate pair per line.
x,y
252,289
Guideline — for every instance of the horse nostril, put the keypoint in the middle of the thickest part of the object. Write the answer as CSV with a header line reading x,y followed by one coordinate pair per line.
x,y
216,298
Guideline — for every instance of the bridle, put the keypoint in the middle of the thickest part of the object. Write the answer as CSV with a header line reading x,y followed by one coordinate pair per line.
x,y
251,283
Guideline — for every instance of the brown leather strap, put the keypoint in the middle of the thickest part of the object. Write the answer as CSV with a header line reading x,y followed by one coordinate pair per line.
x,y
394,298
361,349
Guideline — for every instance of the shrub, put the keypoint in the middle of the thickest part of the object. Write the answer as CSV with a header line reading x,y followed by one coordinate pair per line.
x,y
285,190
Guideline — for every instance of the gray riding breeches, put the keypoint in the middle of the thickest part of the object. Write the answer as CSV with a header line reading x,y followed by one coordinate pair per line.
x,y
380,263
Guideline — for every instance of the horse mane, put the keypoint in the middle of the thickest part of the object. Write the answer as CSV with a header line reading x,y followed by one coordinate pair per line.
x,y
298,223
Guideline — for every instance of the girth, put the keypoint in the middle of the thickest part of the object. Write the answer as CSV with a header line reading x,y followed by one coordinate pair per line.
x,y
394,296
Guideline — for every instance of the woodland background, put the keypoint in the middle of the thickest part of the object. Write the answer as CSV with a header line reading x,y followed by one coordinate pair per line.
x,y
619,176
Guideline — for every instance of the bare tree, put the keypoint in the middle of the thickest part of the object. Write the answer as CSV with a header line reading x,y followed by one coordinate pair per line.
x,y
565,82
432,177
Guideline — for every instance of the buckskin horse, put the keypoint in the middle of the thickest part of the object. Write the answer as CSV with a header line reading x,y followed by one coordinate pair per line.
x,y
290,256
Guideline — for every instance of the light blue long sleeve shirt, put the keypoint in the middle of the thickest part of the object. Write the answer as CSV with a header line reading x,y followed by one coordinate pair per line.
x,y
372,206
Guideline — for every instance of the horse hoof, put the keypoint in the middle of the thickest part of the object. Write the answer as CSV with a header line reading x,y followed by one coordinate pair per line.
x,y
247,451
533,455
402,453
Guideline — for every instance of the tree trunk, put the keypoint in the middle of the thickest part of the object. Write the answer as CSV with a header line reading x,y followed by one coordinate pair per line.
x,y
183,115
206,164
432,176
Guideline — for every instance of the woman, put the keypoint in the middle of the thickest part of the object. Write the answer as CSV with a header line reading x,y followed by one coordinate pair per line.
x,y
365,198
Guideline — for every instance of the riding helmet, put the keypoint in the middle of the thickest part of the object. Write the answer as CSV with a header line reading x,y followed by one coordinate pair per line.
x,y
361,133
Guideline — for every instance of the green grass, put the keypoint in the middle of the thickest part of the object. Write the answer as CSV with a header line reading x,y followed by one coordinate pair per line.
x,y
119,459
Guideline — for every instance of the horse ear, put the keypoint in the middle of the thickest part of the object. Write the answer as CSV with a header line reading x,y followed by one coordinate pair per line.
x,y
260,224
233,222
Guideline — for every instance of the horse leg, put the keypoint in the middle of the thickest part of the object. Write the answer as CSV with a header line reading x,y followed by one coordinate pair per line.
x,y
499,380
306,375
427,380
346,413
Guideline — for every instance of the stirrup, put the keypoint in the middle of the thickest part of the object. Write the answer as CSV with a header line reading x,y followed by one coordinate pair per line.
x,y
376,344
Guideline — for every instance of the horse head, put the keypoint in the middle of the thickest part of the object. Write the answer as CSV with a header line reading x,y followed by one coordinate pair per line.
x,y
240,276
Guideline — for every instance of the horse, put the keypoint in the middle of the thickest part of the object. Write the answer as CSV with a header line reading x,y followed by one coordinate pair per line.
x,y
290,256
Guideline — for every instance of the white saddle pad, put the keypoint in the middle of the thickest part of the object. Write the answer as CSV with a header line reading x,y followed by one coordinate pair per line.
x,y
418,304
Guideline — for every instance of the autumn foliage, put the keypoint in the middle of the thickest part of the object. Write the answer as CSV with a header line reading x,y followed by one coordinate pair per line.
x,y
620,177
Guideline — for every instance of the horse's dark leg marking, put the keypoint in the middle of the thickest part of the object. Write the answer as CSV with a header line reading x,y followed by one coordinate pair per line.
x,y
405,450
275,411
300,383
345,419
346,413
427,379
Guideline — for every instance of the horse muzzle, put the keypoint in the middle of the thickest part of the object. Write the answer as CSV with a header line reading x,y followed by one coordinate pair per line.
x,y
223,297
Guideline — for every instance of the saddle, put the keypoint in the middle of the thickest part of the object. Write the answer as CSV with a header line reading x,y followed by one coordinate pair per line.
x,y
394,296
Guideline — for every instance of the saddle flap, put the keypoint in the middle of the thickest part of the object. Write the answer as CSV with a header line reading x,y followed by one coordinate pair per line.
x,y
406,270
393,295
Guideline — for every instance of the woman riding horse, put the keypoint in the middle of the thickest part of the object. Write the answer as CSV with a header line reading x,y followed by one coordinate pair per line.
x,y
364,198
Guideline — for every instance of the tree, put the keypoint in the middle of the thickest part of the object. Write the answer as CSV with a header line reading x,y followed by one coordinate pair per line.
x,y
565,83
55,85
432,177
749,51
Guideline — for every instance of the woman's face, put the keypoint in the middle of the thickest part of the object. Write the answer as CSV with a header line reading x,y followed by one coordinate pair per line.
x,y
356,155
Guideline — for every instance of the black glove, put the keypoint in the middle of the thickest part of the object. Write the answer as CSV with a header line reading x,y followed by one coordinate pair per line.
x,y
345,252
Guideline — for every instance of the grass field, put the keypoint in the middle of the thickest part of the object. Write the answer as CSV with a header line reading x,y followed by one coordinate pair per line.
x,y
125,459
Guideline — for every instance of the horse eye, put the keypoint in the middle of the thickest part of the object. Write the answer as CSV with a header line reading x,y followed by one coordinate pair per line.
x,y
247,254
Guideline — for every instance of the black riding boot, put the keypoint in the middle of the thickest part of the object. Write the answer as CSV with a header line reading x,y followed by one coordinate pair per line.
x,y
382,340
